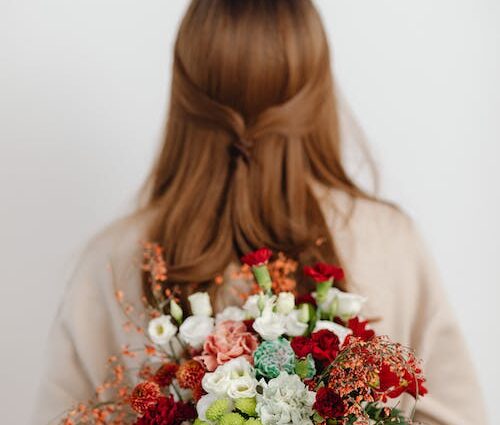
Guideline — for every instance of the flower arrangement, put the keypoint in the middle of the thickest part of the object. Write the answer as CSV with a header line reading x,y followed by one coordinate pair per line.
x,y
280,359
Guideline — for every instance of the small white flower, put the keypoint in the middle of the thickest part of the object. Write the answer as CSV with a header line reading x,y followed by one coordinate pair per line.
x,y
253,304
195,329
161,330
270,325
285,303
230,313
200,304
285,400
349,305
238,367
341,331
293,325
244,387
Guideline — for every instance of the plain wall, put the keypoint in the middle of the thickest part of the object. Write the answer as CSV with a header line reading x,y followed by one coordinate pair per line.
x,y
83,93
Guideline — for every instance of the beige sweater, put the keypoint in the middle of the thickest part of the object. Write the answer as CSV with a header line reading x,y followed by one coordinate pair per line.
x,y
385,261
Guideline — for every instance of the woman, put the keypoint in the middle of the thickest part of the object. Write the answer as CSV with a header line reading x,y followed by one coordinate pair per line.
x,y
251,158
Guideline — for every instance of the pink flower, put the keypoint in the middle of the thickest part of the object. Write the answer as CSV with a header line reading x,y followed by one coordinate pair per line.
x,y
230,339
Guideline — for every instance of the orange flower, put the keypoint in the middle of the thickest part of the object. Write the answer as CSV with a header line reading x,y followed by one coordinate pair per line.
x,y
190,374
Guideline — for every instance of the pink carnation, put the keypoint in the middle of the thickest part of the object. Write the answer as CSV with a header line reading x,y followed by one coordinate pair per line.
x,y
229,340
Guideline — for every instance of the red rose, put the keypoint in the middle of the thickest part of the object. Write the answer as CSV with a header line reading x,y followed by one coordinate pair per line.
x,y
325,346
359,330
302,346
329,404
322,272
257,258
145,396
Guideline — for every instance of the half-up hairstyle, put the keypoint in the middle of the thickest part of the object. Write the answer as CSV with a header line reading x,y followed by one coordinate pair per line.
x,y
252,122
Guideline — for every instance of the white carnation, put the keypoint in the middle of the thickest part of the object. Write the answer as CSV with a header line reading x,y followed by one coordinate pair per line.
x,y
161,330
285,400
195,329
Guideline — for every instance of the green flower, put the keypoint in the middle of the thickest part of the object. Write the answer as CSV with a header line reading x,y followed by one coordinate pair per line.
x,y
232,419
217,409
198,421
253,421
305,368
272,357
246,405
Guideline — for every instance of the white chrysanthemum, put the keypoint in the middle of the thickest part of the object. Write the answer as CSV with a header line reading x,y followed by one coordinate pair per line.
x,y
285,400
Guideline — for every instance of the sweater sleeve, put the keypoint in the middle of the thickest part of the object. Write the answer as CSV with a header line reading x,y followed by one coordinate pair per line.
x,y
87,330
454,394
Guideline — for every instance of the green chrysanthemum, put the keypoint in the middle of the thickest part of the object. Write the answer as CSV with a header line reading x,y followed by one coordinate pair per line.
x,y
198,421
217,409
272,357
253,421
246,405
232,419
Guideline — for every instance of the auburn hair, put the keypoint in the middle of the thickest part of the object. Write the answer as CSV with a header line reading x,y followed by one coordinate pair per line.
x,y
252,123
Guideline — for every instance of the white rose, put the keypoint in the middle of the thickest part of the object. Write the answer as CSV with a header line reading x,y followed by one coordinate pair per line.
x,y
200,304
285,303
195,329
216,382
161,330
230,313
341,331
244,387
270,325
252,305
349,305
293,325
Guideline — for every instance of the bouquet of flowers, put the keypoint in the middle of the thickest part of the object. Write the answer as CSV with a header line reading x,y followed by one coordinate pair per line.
x,y
280,359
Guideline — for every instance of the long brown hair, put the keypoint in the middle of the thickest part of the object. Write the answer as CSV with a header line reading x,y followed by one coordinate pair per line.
x,y
253,122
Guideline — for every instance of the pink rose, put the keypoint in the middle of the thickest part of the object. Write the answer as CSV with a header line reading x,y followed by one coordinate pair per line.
x,y
229,340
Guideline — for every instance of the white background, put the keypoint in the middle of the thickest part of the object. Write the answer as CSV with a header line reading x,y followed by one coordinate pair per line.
x,y
83,92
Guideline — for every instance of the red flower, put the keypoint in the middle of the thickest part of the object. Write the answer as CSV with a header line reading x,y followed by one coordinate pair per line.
x,y
144,396
329,404
167,412
359,330
394,386
305,299
165,374
325,346
322,345
190,374
321,272
257,258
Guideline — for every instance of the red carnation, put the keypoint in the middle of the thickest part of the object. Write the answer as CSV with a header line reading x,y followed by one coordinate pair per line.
x,y
257,258
325,346
322,272
359,330
145,396
329,404
190,374
166,374
302,346
305,299
167,412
